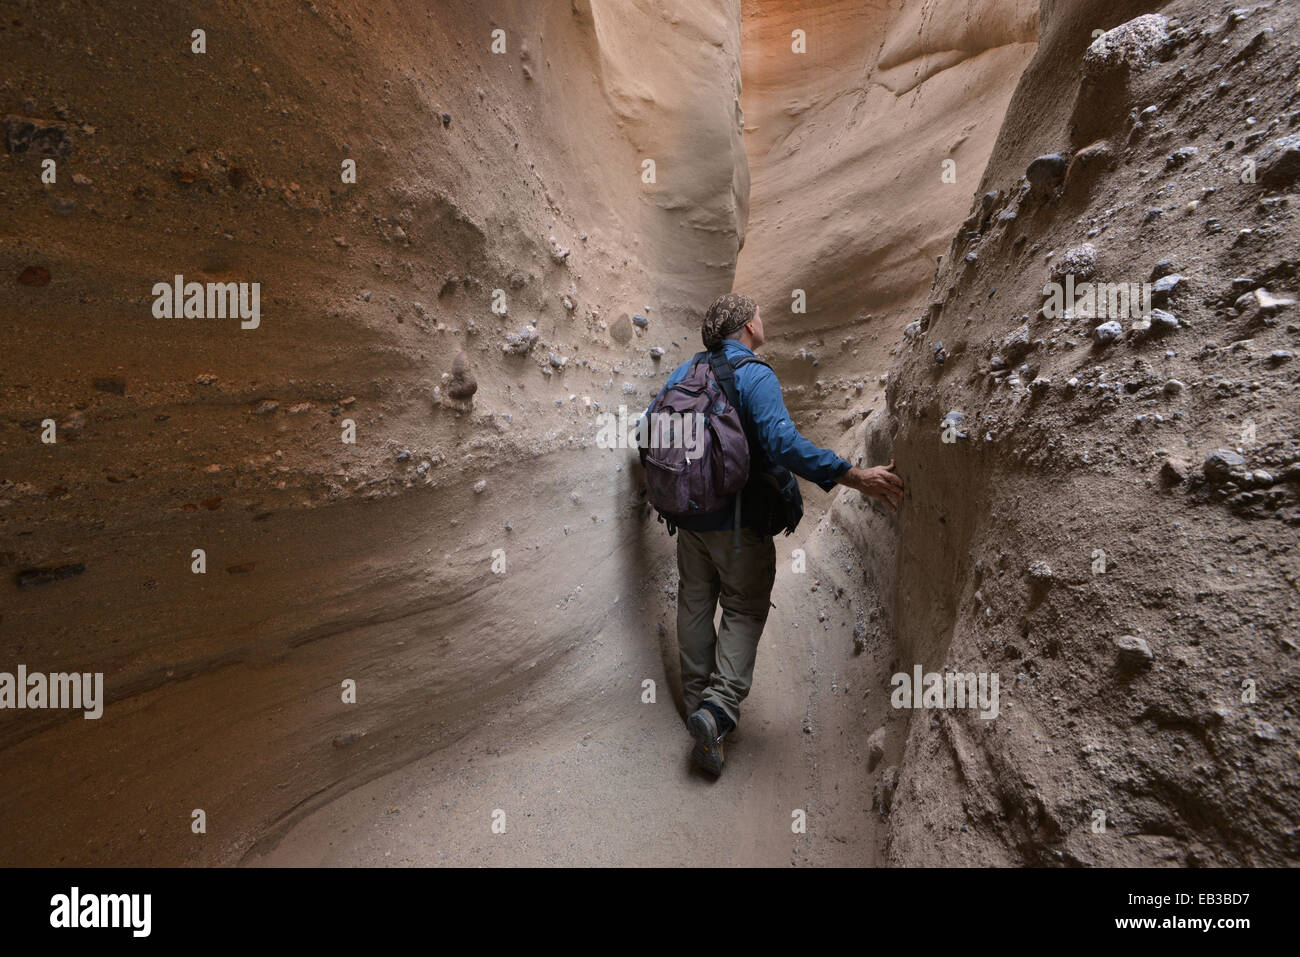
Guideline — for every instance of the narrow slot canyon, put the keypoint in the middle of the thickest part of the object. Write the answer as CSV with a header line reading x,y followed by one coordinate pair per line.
x,y
360,574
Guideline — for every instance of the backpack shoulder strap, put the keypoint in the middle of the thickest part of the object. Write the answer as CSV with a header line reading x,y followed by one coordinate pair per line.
x,y
723,372
736,364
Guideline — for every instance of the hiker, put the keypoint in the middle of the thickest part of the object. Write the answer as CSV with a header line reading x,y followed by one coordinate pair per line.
x,y
751,448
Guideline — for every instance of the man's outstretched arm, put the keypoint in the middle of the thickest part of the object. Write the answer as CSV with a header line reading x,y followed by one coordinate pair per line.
x,y
786,446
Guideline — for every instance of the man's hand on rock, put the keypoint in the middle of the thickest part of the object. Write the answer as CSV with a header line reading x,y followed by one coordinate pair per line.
x,y
878,482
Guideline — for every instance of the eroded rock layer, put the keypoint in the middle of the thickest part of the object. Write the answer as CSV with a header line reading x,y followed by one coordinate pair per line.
x,y
500,155
864,151
1103,505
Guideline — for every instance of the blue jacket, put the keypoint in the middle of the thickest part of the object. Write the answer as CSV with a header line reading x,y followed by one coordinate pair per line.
x,y
763,407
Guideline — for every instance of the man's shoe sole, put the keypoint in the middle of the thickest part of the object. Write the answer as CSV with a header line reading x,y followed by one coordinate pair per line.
x,y
708,749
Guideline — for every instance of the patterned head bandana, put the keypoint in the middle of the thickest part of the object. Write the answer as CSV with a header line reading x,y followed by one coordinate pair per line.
x,y
727,314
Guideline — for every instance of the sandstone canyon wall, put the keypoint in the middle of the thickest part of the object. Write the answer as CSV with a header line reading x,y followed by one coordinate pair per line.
x,y
325,561
847,143
1109,518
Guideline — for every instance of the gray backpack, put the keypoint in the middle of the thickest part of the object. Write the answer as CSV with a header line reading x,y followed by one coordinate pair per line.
x,y
695,452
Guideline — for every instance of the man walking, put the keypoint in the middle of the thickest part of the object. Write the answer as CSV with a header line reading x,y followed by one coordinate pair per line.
x,y
715,561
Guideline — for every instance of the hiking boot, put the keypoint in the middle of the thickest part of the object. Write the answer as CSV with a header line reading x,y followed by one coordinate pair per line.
x,y
708,741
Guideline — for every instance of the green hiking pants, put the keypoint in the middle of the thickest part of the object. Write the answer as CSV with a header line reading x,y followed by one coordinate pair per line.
x,y
718,665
